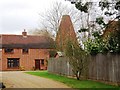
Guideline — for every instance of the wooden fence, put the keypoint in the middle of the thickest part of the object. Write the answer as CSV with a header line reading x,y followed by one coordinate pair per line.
x,y
60,66
101,67
105,67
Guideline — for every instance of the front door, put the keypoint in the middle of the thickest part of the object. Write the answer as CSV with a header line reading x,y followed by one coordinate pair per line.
x,y
37,64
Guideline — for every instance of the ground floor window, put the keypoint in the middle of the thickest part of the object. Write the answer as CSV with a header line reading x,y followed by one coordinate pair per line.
x,y
13,62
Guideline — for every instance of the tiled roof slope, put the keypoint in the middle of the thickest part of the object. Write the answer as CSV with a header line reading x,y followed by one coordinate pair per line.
x,y
29,41
65,32
112,27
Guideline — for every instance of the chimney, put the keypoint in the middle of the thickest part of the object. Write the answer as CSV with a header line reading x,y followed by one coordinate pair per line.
x,y
24,33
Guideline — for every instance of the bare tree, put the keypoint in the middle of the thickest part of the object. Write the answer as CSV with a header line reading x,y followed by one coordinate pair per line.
x,y
48,36
51,18
41,32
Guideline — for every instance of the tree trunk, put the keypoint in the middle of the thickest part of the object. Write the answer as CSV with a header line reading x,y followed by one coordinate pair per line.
x,y
78,75
78,78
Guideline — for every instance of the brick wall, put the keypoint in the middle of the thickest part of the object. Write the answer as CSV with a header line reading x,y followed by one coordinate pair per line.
x,y
0,59
26,60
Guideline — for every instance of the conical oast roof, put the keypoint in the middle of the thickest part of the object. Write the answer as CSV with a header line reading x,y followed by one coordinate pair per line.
x,y
65,32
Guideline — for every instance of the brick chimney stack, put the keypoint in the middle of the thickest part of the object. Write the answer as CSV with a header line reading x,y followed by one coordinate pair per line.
x,y
24,33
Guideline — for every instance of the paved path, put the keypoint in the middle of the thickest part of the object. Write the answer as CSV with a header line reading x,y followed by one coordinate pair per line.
x,y
18,79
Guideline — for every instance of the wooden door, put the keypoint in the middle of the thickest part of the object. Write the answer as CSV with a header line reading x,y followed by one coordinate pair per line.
x,y
37,64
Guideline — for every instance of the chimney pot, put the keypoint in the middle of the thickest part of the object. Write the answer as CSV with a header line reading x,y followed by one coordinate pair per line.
x,y
24,33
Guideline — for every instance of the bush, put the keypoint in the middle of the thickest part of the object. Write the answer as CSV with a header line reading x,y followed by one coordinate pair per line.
x,y
52,53
22,68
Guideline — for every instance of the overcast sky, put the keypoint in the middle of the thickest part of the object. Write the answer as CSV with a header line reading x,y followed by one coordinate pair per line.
x,y
17,15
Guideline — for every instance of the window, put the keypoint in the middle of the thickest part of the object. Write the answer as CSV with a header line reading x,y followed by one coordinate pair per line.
x,y
25,50
13,62
42,61
9,50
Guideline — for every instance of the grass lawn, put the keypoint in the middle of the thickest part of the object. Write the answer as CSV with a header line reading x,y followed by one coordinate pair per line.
x,y
72,82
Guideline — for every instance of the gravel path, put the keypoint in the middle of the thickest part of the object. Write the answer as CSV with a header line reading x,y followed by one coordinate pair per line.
x,y
18,79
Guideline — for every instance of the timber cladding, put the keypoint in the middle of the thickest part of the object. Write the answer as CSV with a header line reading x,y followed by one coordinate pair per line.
x,y
102,67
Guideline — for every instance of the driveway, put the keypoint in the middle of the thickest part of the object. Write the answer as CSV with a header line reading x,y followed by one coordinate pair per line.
x,y
19,79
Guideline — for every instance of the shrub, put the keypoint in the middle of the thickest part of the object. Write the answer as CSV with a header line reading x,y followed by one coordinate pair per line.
x,y
22,68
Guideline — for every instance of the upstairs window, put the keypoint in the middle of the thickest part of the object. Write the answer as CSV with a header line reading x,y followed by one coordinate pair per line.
x,y
9,50
25,50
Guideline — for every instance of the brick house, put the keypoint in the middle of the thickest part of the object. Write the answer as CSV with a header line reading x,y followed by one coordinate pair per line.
x,y
26,51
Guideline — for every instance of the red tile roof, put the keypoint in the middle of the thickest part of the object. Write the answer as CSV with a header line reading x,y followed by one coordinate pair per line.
x,y
112,27
20,41
66,32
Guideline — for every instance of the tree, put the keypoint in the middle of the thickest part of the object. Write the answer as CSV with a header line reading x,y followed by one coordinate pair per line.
x,y
41,32
77,58
110,10
49,37
51,18
113,38
113,12
96,45
86,9
88,15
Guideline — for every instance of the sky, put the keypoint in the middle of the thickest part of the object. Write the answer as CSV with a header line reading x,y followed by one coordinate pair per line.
x,y
17,15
